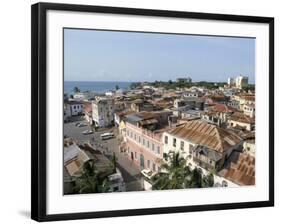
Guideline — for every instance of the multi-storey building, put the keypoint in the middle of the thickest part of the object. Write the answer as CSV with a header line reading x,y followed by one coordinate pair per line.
x,y
184,80
212,150
241,81
103,111
143,139
241,121
202,144
73,108
249,109
230,81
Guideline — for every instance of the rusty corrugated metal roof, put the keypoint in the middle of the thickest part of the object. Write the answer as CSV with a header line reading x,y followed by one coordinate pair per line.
x,y
240,117
240,169
203,133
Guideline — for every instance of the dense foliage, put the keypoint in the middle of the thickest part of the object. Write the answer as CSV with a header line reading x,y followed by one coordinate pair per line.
x,y
91,180
174,85
175,174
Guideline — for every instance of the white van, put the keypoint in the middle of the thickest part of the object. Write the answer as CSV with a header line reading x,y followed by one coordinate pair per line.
x,y
105,136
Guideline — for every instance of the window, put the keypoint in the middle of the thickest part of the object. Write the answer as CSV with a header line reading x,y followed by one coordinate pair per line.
x,y
135,137
158,150
182,145
148,163
139,139
74,107
153,167
152,147
231,124
147,144
166,139
190,148
127,133
136,156
131,134
174,142
159,169
143,141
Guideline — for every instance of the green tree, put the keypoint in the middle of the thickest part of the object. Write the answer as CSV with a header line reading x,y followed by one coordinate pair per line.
x,y
134,85
248,87
91,180
114,162
175,174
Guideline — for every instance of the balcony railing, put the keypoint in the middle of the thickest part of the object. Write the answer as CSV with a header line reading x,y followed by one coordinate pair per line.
x,y
203,164
145,132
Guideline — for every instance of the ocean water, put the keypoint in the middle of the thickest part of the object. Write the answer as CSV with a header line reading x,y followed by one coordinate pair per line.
x,y
95,86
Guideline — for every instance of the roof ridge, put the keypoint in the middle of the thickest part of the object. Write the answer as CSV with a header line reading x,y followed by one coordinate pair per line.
x,y
218,137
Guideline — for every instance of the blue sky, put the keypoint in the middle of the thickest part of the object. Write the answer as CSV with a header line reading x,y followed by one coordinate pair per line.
x,y
91,55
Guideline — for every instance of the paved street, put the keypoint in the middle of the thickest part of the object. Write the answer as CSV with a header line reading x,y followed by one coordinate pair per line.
x,y
130,173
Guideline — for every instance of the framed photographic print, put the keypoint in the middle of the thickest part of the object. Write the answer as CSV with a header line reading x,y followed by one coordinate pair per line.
x,y
140,111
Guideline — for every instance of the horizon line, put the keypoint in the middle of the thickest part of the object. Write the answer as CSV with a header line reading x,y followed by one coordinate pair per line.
x,y
142,81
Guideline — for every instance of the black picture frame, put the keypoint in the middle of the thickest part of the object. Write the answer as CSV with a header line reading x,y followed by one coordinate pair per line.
x,y
38,108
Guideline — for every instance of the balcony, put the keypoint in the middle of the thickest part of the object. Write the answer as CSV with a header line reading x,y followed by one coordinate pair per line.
x,y
203,164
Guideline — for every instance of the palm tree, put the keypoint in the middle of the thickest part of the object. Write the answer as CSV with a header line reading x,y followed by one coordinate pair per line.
x,y
76,89
91,180
173,174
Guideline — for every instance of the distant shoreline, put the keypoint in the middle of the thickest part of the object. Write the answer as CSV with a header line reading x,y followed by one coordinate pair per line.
x,y
94,86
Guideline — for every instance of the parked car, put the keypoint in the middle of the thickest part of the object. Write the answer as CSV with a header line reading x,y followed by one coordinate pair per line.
x,y
76,124
87,132
81,125
107,135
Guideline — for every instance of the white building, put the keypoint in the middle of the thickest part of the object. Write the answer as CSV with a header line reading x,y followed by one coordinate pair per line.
x,y
241,81
66,113
230,81
79,96
73,108
190,137
188,94
211,149
234,103
103,111
184,80
116,181
240,120
249,110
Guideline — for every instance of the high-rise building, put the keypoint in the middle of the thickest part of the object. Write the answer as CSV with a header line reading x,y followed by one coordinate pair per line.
x,y
230,81
241,81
